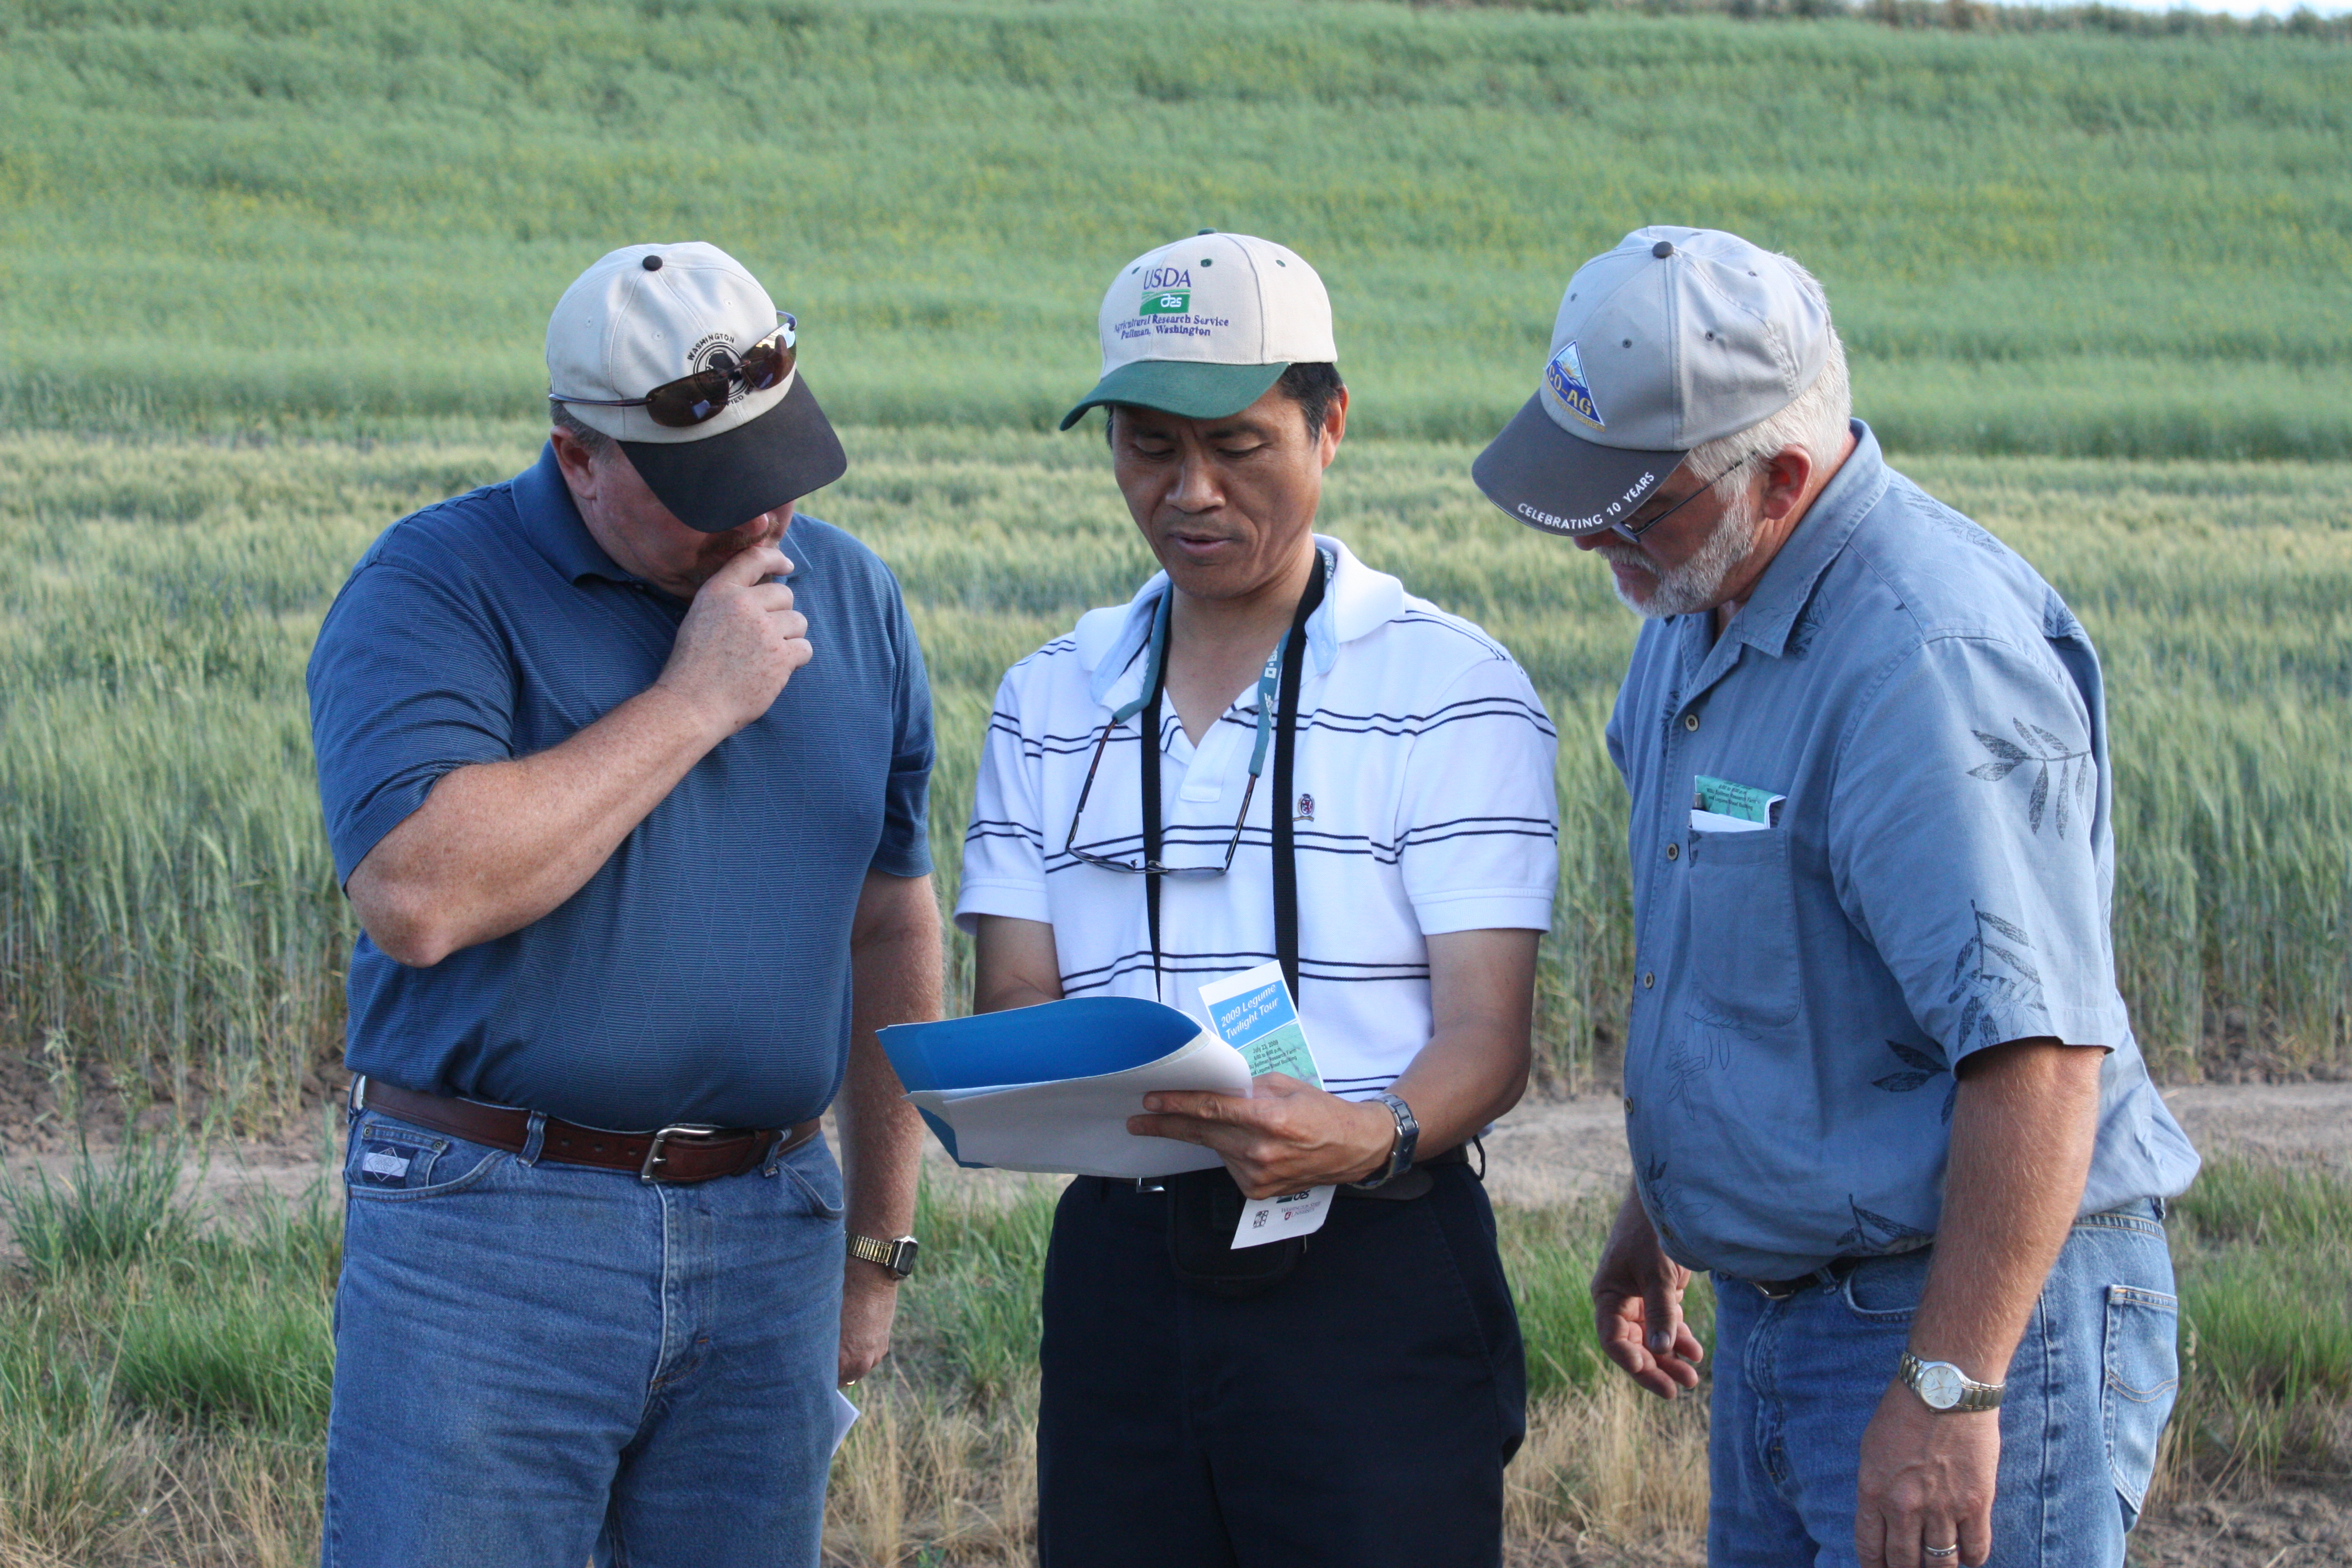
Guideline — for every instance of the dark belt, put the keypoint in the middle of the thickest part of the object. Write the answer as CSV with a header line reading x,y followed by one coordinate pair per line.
x,y
1830,1273
1406,1186
682,1153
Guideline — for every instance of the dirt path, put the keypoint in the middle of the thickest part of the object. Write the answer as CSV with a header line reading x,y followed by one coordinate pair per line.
x,y
1545,1152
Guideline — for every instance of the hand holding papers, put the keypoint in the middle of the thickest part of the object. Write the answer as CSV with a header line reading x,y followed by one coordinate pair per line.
x,y
1050,1088
1252,1013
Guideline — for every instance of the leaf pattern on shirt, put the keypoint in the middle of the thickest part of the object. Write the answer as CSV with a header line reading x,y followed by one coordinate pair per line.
x,y
1808,627
1689,1061
1992,975
1666,1199
2045,750
1920,1063
1876,1233
1959,526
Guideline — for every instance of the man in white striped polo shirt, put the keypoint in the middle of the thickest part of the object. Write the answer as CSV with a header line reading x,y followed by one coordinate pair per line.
x,y
1348,780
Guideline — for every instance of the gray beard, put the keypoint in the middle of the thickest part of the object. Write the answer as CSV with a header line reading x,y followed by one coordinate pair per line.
x,y
1698,582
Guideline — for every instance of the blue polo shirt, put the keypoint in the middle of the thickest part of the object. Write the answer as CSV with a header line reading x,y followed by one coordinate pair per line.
x,y
1937,879
702,974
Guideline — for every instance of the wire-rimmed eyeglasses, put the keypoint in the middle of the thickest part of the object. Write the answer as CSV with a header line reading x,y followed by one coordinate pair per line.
x,y
1269,682
1633,531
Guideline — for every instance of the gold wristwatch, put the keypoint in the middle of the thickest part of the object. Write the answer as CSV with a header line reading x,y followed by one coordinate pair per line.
x,y
1941,1386
897,1256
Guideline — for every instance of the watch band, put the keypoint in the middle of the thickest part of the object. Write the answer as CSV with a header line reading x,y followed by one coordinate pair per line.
x,y
1407,1136
897,1256
1945,1388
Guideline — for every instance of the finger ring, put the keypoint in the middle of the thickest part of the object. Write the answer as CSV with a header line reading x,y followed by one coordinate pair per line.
x,y
1952,1550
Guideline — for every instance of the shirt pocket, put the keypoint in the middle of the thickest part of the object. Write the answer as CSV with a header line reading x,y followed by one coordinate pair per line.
x,y
1743,929
2143,1376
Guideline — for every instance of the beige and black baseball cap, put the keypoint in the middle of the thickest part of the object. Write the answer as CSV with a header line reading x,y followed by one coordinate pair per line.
x,y
1202,327
1673,338
646,315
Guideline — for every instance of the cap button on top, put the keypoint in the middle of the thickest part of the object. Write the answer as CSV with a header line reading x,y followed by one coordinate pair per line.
x,y
1662,250
653,264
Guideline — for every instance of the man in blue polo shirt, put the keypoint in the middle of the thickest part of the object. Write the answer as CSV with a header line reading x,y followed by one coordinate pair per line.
x,y
1878,1078
625,768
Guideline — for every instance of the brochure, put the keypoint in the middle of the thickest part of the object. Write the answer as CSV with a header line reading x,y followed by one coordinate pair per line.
x,y
1252,1013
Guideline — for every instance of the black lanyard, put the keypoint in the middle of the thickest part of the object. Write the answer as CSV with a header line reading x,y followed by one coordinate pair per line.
x,y
1285,738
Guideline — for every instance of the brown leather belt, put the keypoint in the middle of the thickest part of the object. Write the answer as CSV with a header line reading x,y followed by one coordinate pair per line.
x,y
682,1153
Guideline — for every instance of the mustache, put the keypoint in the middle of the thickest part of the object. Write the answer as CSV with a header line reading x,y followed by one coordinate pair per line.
x,y
1619,553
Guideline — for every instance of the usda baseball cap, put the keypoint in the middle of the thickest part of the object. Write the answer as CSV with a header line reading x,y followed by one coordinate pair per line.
x,y
646,315
1676,337
1202,327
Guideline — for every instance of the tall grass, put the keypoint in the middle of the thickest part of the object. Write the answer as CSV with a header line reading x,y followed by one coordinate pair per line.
x,y
167,1402
327,216
2266,1321
168,915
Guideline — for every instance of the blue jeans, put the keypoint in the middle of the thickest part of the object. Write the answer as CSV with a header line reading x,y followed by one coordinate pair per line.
x,y
535,1362
1797,1381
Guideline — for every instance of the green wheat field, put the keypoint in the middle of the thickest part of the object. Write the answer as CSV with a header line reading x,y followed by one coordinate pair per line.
x,y
274,272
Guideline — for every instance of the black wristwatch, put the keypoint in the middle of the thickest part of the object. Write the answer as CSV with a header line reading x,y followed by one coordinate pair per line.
x,y
1408,1134
897,1255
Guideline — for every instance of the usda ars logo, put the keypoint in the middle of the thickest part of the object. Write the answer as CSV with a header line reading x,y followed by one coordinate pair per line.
x,y
1168,302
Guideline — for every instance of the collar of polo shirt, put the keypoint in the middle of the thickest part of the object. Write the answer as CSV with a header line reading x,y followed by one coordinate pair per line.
x,y
1359,599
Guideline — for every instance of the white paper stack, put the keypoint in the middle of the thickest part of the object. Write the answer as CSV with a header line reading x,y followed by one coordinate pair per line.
x,y
1049,1089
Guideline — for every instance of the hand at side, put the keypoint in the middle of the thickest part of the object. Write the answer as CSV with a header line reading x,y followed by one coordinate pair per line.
x,y
1927,1479
1637,1306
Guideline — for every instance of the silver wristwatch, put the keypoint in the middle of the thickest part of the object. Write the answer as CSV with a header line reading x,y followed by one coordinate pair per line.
x,y
1407,1136
1941,1386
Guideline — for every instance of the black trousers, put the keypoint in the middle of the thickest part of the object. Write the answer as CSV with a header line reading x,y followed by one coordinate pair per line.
x,y
1358,1413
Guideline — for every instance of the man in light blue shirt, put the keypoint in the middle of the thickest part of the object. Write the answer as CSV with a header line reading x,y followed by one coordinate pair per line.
x,y
1879,1079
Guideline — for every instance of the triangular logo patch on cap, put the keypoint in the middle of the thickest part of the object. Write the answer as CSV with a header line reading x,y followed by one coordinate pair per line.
x,y
1565,376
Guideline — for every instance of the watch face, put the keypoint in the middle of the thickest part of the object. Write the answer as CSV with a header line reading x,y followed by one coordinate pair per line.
x,y
1940,1385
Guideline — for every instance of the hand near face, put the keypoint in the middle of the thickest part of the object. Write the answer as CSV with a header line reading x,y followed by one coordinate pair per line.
x,y
740,641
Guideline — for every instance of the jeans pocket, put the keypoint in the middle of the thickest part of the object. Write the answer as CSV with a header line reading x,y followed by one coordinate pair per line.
x,y
2143,1376
1887,1290
391,1160
813,1174
1743,928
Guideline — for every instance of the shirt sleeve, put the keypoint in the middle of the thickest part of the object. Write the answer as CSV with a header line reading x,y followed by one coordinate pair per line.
x,y
408,682
1005,848
1478,828
906,847
1961,838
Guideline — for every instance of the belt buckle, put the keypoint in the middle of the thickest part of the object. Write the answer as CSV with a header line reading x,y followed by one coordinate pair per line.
x,y
675,1130
1780,1289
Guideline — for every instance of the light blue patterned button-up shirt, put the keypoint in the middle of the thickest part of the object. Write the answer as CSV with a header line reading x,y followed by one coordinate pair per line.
x,y
1940,880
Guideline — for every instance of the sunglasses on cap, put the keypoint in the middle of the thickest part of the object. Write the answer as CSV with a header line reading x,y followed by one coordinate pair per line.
x,y
690,399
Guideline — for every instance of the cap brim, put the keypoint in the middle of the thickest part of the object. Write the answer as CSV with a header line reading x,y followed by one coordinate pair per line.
x,y
726,481
1183,387
1549,478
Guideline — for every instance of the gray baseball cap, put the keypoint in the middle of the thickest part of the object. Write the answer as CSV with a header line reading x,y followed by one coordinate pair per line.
x,y
1675,337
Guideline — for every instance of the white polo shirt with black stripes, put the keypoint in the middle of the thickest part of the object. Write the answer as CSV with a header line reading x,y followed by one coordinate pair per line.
x,y
1423,803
